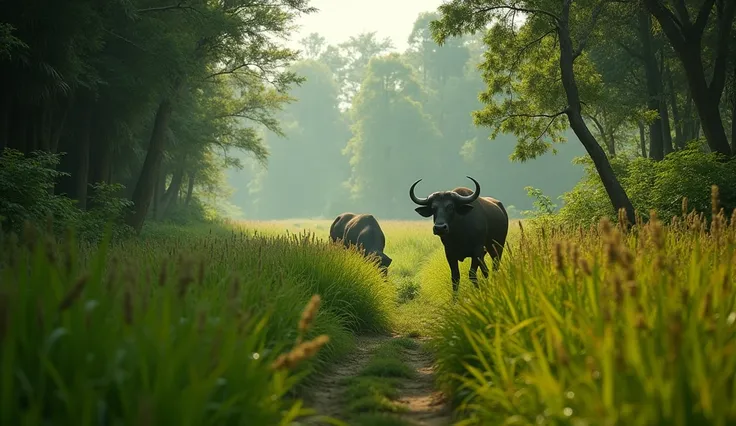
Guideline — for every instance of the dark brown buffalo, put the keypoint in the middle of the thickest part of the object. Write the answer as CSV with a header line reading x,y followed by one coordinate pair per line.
x,y
468,225
363,231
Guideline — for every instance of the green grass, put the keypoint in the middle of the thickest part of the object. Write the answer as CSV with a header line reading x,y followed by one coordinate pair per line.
x,y
178,327
585,335
589,327
375,387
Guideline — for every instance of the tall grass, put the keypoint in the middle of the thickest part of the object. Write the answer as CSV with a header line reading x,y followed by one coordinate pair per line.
x,y
176,328
599,327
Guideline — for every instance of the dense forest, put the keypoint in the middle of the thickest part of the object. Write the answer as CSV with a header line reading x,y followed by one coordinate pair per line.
x,y
170,111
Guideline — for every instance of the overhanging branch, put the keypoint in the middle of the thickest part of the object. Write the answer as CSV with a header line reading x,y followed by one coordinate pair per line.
x,y
532,11
593,21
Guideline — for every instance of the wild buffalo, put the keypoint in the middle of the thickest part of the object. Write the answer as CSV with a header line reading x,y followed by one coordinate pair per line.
x,y
363,231
468,225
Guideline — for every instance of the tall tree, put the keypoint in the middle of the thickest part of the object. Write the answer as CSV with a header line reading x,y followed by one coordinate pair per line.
x,y
525,85
686,37
394,139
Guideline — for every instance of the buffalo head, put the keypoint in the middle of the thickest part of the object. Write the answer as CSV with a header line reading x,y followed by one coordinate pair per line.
x,y
444,205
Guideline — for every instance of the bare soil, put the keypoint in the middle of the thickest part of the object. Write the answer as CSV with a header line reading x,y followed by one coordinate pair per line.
x,y
425,405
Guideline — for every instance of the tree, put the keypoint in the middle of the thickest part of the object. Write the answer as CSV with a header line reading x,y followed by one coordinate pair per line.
x,y
394,140
305,168
524,85
686,37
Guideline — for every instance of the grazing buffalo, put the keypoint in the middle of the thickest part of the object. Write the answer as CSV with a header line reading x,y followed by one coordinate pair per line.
x,y
363,231
468,225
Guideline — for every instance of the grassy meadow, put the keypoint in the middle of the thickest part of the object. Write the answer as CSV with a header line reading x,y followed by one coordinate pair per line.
x,y
219,325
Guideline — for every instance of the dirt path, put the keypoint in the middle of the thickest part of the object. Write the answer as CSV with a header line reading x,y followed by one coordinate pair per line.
x,y
424,404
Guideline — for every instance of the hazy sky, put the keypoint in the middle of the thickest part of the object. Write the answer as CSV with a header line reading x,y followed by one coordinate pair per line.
x,y
337,20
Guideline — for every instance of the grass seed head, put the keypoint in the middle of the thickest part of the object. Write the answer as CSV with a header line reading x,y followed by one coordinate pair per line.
x,y
714,198
74,293
309,313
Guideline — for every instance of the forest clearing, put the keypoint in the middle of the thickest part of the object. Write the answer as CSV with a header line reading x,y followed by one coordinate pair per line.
x,y
184,326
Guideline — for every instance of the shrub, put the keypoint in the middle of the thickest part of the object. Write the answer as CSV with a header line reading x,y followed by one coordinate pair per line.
x,y
27,194
27,190
654,185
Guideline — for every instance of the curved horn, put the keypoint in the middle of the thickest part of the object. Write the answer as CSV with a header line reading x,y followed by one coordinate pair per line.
x,y
467,199
420,201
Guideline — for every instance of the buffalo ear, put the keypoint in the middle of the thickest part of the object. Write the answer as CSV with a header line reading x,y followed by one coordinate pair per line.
x,y
464,209
425,211
386,260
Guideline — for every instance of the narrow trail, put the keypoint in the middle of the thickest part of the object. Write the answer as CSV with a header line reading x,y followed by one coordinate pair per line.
x,y
424,405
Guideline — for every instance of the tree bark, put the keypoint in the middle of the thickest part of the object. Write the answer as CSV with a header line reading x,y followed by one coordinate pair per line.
x,y
171,195
190,189
676,117
663,110
616,193
733,109
75,143
6,102
686,39
144,188
610,144
642,139
656,140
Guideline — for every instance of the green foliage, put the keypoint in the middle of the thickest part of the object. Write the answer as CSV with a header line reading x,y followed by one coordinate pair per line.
x,y
26,194
656,185
524,94
26,190
178,327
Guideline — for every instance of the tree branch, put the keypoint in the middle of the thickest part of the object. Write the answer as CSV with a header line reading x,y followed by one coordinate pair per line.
x,y
181,6
528,45
633,53
672,27
532,11
593,20
684,16
722,49
551,116
702,20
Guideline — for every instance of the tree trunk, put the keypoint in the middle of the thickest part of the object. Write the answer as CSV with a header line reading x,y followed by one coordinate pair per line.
x,y
158,193
6,102
676,117
171,195
610,144
686,39
656,140
190,189
642,139
144,188
663,110
733,109
688,125
616,193
75,143
82,170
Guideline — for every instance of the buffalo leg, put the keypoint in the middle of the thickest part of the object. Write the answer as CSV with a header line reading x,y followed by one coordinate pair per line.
x,y
454,272
495,251
483,267
473,273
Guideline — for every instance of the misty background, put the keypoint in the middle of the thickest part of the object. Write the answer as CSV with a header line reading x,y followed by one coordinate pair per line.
x,y
382,106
